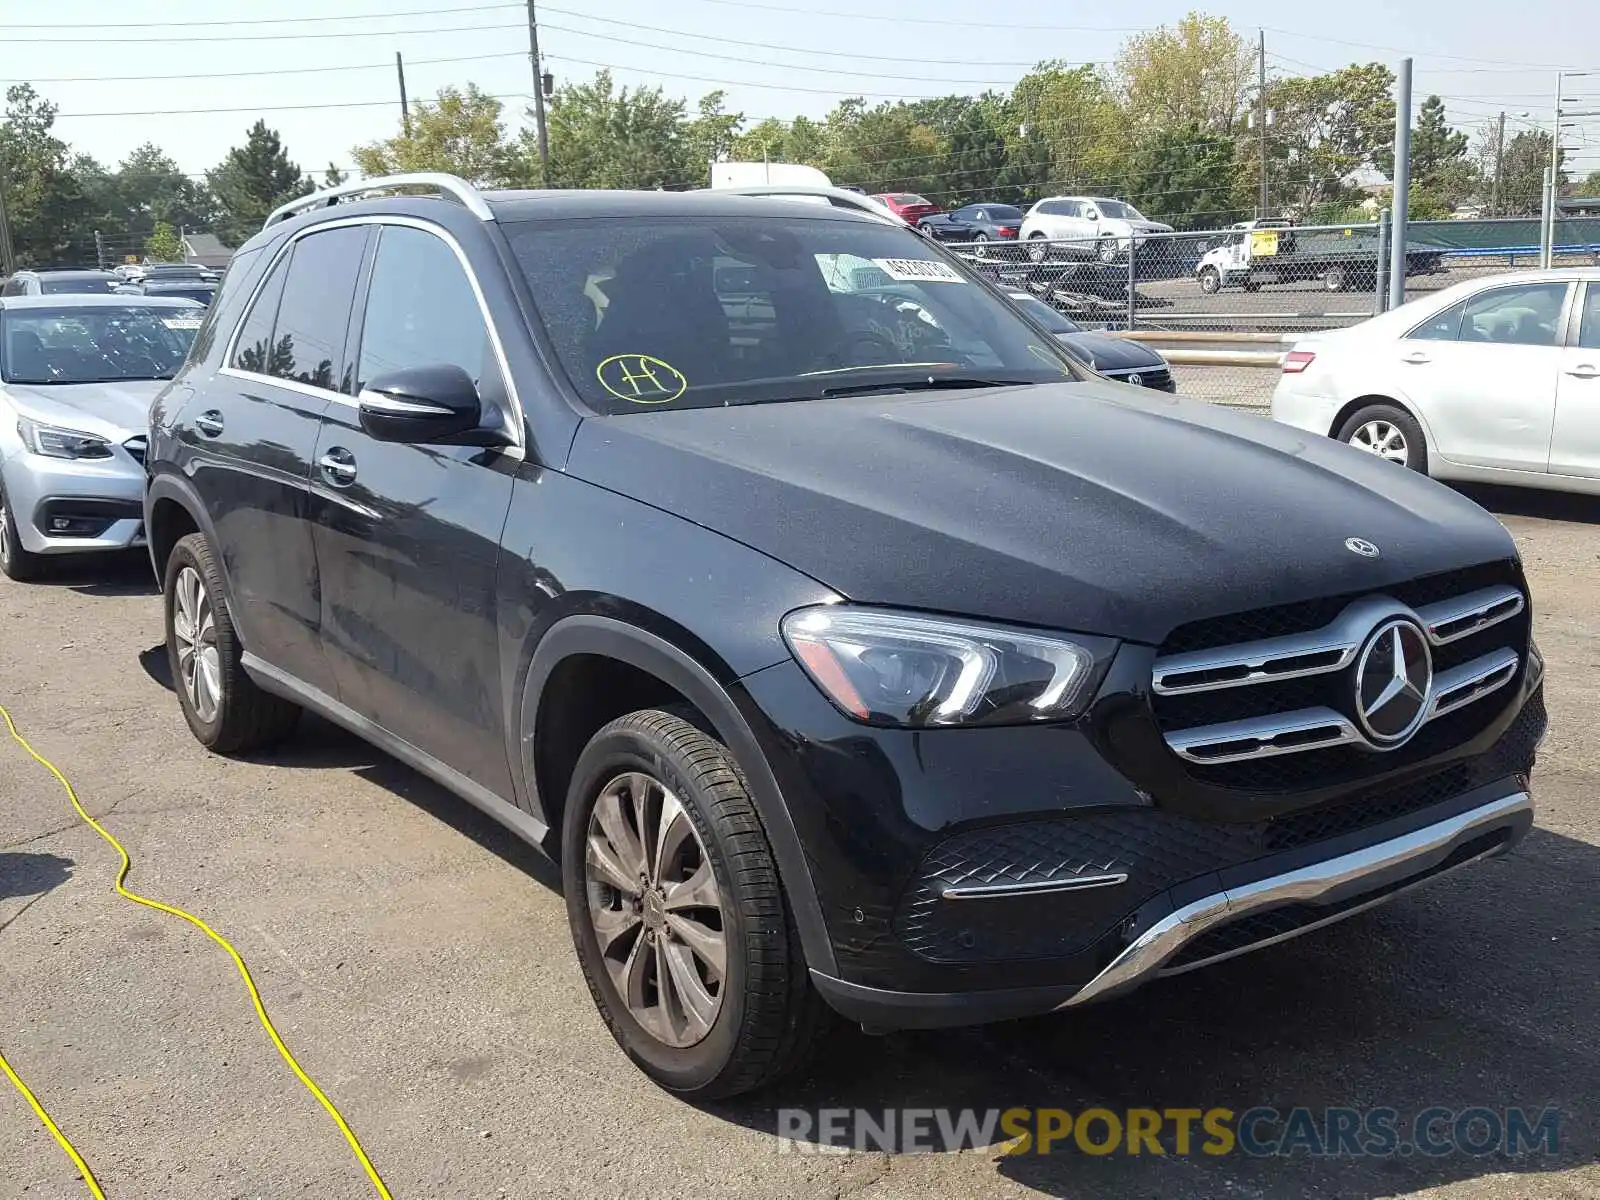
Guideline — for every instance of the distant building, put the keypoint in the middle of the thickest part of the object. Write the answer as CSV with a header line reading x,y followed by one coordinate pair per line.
x,y
203,249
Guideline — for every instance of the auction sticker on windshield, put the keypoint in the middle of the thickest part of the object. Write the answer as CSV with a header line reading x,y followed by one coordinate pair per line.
x,y
181,322
919,270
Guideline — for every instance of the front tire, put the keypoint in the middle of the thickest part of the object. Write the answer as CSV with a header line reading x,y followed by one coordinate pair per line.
x,y
1389,432
678,914
1210,280
16,561
1335,279
226,711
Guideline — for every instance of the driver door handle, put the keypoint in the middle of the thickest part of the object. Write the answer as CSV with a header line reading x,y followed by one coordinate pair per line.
x,y
338,466
209,423
1584,371
1416,356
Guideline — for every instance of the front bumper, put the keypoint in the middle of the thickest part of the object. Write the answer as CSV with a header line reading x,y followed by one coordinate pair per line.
x,y
72,506
970,875
1253,909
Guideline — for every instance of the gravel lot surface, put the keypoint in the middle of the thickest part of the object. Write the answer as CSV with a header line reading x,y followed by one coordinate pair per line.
x,y
417,960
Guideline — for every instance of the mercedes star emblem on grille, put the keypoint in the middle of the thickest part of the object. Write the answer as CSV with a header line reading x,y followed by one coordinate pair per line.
x,y
1362,547
1393,678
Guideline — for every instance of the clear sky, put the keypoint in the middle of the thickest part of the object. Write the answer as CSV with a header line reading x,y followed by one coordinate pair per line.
x,y
322,71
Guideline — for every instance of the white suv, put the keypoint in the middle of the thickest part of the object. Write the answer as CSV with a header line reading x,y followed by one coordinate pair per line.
x,y
1091,226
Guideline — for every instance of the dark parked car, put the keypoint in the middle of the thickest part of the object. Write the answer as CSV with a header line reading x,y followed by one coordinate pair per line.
x,y
196,288
1116,358
844,660
59,283
975,223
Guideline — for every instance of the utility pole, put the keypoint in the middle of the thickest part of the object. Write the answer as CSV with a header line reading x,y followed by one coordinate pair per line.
x,y
538,98
1499,159
1547,230
405,108
1261,119
1402,186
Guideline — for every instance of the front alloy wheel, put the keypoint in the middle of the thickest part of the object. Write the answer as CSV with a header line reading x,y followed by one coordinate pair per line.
x,y
16,561
1389,432
656,910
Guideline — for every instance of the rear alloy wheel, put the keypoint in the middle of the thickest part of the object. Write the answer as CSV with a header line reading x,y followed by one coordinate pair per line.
x,y
1106,250
980,245
678,914
1389,432
225,709
17,562
1038,248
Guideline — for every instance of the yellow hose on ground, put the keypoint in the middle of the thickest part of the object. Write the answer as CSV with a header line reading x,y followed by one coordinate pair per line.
x,y
244,973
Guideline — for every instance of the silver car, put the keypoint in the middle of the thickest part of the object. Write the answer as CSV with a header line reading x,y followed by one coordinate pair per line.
x,y
77,374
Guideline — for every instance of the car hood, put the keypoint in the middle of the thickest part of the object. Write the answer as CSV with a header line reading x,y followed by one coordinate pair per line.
x,y
1106,353
1147,226
1070,506
116,411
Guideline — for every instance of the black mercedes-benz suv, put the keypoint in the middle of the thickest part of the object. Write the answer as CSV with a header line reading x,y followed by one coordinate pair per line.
x,y
850,648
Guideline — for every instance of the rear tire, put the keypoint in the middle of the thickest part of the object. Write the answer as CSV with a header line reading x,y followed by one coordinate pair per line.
x,y
1335,279
1038,248
1389,432
705,887
17,562
226,711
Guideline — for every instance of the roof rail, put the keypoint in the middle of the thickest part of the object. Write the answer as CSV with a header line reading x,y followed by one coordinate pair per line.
x,y
449,185
838,197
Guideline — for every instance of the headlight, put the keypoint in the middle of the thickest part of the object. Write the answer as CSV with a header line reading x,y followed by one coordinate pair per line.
x,y
891,668
61,443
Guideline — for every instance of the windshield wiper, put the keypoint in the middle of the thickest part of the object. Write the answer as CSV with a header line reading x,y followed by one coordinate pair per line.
x,y
925,383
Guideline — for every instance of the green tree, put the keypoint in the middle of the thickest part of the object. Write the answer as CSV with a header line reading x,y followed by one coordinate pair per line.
x,y
45,200
977,158
1435,146
602,136
1185,176
459,133
251,181
1071,133
1522,168
709,137
1325,129
1197,74
152,191
164,245
332,177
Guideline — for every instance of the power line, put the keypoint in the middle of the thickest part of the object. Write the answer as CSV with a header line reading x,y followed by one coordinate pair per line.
x,y
369,16
384,66
900,20
264,37
871,73
254,108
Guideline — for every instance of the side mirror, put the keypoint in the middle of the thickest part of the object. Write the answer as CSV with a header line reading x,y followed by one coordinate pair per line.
x,y
429,404
1093,214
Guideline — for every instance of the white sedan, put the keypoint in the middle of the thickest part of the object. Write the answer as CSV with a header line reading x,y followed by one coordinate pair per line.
x,y
1496,380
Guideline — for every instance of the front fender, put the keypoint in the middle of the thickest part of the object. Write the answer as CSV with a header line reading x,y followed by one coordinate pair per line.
x,y
587,633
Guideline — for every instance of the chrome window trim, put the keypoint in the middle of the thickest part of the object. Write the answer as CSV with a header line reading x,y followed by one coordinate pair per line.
x,y
518,421
383,402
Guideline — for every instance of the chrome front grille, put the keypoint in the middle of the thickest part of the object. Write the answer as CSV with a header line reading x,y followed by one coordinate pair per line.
x,y
1296,693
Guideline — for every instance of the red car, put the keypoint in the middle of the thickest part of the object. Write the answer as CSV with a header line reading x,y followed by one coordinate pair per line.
x,y
908,206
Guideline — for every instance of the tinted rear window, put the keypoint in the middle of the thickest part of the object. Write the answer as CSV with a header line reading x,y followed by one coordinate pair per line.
x,y
77,285
691,312
1003,212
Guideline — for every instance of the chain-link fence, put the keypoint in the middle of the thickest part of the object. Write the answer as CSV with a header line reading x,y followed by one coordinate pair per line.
x,y
1224,304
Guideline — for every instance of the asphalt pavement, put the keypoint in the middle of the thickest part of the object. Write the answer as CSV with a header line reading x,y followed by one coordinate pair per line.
x,y
416,958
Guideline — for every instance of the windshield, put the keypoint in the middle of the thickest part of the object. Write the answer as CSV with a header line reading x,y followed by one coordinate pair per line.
x,y
79,285
94,344
690,313
1118,211
1043,313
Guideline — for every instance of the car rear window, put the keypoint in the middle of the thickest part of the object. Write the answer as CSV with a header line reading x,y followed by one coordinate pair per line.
x,y
693,312
78,285
909,198
1003,212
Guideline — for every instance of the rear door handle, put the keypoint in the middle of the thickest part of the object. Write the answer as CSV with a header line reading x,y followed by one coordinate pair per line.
x,y
1416,356
338,466
1584,371
209,423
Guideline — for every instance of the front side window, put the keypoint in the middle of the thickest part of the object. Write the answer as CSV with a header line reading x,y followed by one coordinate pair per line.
x,y
421,310
690,312
83,344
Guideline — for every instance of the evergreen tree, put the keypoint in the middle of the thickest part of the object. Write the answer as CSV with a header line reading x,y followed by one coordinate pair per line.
x,y
252,181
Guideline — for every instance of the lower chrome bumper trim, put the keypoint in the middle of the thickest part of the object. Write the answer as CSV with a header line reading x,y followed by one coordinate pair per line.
x,y
1349,875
